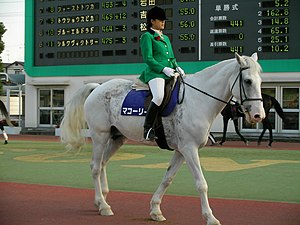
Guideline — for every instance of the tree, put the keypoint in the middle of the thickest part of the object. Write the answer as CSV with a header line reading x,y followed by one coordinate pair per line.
x,y
2,31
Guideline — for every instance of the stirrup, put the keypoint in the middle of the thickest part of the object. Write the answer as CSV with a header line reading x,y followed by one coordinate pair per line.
x,y
149,135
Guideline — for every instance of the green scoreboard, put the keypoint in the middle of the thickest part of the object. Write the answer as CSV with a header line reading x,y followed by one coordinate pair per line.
x,y
93,37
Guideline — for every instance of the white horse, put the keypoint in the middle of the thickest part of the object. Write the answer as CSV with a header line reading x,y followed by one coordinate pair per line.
x,y
186,129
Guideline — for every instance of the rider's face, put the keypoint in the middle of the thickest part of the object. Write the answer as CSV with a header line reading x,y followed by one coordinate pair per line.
x,y
158,24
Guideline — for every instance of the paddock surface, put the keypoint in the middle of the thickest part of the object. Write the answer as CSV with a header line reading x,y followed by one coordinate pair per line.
x,y
30,204
227,144
34,204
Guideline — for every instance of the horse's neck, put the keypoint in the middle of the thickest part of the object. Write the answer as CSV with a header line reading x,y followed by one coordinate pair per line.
x,y
214,81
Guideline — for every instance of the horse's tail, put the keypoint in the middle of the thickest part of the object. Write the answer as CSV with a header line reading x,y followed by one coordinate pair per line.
x,y
5,114
74,121
278,108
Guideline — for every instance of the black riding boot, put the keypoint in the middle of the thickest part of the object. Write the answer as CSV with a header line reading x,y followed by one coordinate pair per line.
x,y
152,112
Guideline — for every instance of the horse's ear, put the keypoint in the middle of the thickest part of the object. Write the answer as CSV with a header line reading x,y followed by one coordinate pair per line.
x,y
254,56
240,60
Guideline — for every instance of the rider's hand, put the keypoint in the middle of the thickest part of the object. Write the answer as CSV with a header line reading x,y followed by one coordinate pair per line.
x,y
180,70
169,71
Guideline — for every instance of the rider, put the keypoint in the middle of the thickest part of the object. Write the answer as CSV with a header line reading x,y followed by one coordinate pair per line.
x,y
161,64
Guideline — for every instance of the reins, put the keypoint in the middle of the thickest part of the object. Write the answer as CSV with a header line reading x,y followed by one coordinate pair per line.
x,y
242,90
197,89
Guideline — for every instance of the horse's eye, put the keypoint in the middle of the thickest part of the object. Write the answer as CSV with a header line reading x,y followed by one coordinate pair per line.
x,y
248,81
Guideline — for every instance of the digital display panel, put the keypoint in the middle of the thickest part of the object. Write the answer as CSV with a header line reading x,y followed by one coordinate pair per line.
x,y
268,27
89,32
104,32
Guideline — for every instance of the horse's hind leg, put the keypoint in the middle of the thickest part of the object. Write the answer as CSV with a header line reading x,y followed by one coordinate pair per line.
x,y
100,143
175,164
112,148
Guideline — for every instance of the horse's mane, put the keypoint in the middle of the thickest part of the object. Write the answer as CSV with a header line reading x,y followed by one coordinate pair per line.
x,y
254,66
213,68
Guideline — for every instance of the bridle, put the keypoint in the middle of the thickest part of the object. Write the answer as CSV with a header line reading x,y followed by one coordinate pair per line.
x,y
242,90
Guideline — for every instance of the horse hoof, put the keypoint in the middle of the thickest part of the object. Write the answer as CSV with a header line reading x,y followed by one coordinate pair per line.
x,y
158,217
247,143
214,222
106,212
211,220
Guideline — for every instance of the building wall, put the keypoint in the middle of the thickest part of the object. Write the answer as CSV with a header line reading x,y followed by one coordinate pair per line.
x,y
72,84
31,107
69,84
15,105
14,68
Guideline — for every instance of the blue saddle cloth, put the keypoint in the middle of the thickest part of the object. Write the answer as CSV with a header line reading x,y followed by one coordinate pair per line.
x,y
133,104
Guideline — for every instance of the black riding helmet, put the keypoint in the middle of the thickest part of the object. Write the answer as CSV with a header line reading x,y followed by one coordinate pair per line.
x,y
155,13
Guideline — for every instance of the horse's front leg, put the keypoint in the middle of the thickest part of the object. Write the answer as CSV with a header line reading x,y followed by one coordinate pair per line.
x,y
225,124
236,127
175,164
271,136
261,136
193,162
97,168
266,125
104,183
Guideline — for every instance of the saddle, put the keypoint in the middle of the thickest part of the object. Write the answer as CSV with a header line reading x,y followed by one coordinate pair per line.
x,y
169,88
137,102
138,99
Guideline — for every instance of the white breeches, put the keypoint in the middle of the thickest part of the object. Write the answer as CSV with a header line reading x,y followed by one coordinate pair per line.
x,y
157,87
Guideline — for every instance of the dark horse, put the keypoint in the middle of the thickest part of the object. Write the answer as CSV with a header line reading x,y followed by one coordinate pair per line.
x,y
234,112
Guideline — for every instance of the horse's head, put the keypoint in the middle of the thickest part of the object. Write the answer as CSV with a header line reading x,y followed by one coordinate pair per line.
x,y
246,87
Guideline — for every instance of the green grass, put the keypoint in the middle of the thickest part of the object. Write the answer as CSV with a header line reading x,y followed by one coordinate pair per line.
x,y
231,174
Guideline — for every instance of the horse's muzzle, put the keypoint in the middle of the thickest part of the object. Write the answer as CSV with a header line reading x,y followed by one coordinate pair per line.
x,y
254,114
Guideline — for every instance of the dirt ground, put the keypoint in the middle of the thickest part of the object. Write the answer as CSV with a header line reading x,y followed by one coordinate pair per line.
x,y
29,204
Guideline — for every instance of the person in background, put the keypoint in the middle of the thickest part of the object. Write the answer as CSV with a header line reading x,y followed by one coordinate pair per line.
x,y
5,121
161,63
4,133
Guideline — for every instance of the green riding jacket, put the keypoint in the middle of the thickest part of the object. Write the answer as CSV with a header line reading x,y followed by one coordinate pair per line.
x,y
157,54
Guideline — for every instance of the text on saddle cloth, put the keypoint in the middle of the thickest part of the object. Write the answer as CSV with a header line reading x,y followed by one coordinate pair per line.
x,y
134,102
